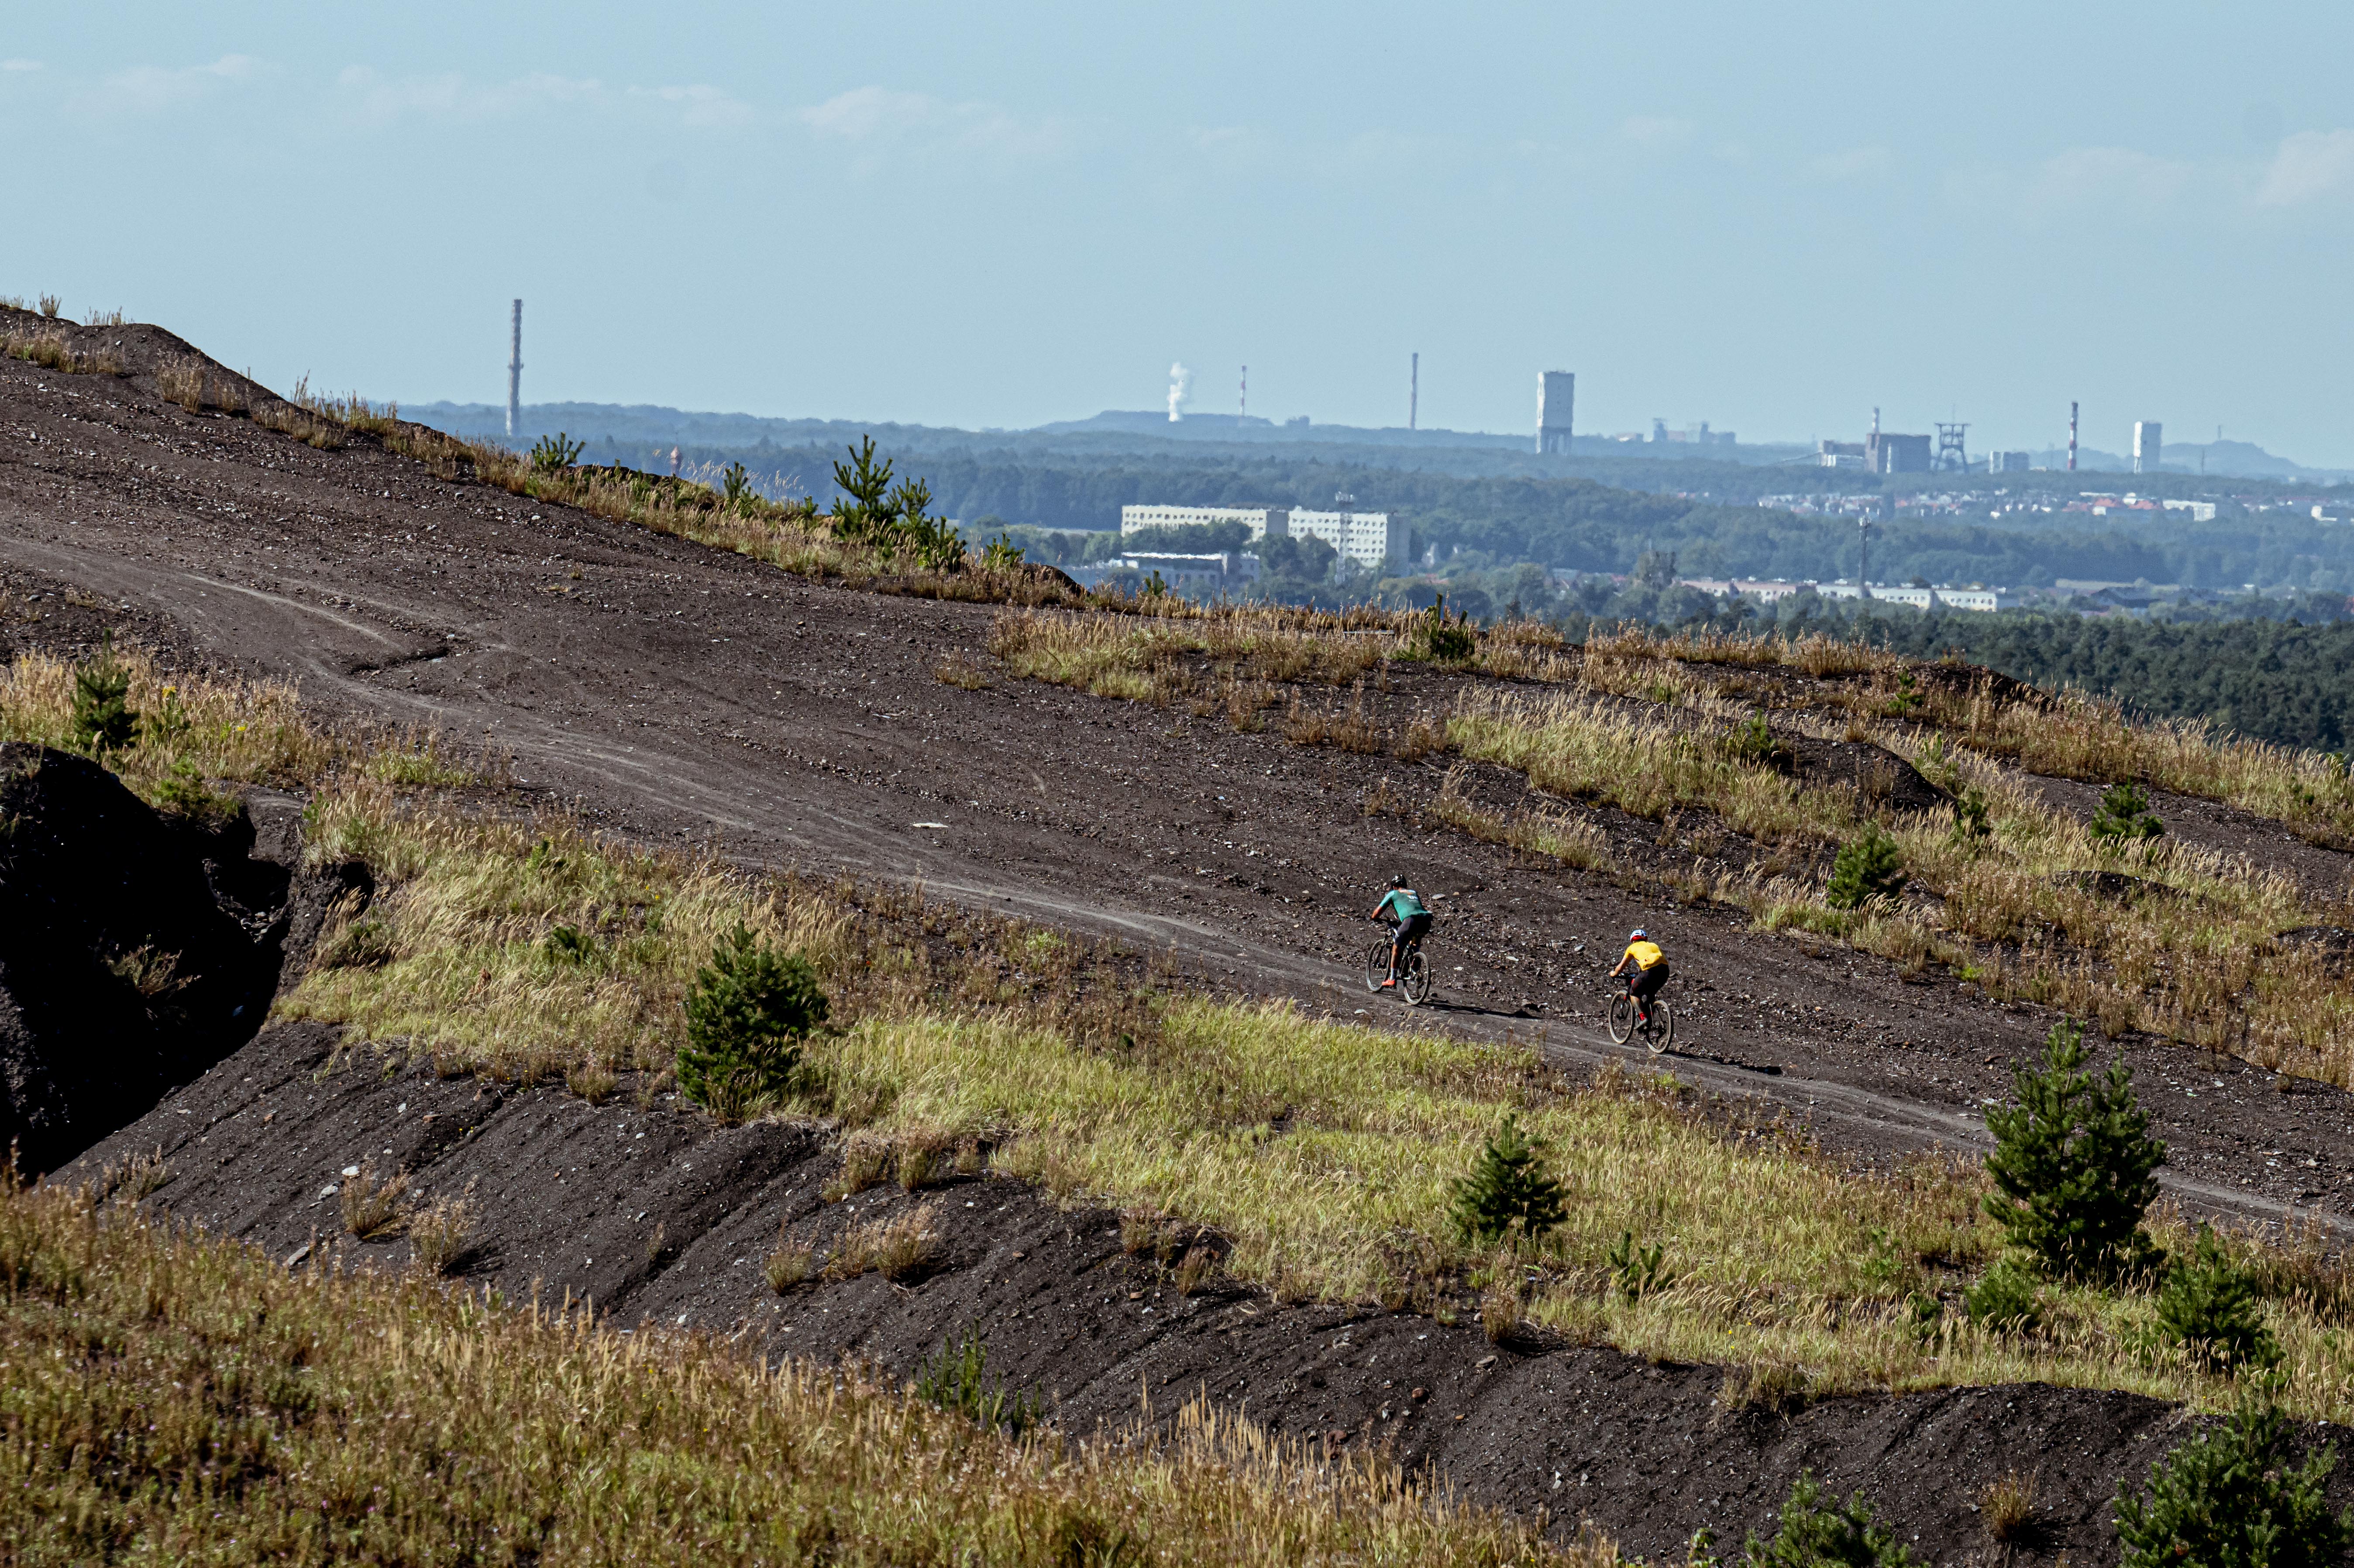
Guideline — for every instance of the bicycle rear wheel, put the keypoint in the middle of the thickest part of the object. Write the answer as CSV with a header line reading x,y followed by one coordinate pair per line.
x,y
1414,978
1661,1031
1377,965
1621,1017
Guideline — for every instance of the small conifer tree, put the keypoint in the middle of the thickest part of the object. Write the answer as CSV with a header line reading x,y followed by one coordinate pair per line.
x,y
2124,814
2228,1498
1868,867
865,510
1970,816
104,719
1507,1188
2004,1298
2073,1164
1441,638
1813,1536
2208,1306
747,1014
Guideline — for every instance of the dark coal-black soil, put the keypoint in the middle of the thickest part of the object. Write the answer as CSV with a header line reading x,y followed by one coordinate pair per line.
x,y
679,693
655,1214
135,948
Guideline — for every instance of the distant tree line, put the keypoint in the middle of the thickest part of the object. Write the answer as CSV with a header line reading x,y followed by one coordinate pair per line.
x,y
2278,681
1580,524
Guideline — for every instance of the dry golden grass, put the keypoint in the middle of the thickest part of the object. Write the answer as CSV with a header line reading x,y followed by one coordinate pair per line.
x,y
454,962
2007,1505
52,349
1813,654
1776,1255
2066,735
792,1263
1192,652
1162,658
198,732
373,1206
953,1031
174,1397
897,1246
442,1229
2163,938
790,537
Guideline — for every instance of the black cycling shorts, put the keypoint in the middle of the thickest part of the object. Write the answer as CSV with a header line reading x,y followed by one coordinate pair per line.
x,y
1646,983
1413,927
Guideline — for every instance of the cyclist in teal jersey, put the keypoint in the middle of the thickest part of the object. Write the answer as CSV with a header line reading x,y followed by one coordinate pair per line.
x,y
1404,905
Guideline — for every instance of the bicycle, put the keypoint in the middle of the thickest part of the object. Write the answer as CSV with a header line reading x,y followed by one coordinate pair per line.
x,y
1414,971
1659,1032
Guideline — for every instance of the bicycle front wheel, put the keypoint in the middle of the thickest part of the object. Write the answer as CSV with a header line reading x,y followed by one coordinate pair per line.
x,y
1377,965
1414,978
1662,1030
1621,1018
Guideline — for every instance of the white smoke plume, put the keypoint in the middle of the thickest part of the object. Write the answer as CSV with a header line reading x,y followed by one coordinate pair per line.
x,y
1181,391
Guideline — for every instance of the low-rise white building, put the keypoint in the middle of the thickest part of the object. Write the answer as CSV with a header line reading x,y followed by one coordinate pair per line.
x,y
1212,573
1261,520
1984,600
1370,538
1766,591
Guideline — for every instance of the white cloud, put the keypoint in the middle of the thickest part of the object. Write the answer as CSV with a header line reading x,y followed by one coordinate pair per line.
x,y
2311,166
1855,164
880,120
1232,139
20,65
700,106
451,97
153,90
2107,177
1660,132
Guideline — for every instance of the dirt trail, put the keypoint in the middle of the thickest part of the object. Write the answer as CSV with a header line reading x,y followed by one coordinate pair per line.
x,y
677,693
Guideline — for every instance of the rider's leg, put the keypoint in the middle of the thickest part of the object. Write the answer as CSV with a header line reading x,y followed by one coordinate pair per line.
x,y
1397,944
1646,985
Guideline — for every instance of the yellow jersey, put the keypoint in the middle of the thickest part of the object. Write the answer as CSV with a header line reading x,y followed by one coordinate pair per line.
x,y
1647,955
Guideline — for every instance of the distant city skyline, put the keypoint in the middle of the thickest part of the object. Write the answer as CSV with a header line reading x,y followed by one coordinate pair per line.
x,y
1771,219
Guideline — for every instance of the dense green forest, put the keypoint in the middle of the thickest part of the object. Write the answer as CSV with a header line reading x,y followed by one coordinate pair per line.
x,y
2275,680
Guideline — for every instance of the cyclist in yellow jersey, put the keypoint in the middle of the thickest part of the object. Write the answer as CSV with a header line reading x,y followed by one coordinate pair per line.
x,y
1648,964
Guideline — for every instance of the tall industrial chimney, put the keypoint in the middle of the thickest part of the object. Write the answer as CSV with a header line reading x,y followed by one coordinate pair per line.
x,y
515,372
1246,403
2072,438
1413,393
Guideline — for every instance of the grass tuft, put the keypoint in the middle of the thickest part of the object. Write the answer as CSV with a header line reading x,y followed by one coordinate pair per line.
x,y
373,1207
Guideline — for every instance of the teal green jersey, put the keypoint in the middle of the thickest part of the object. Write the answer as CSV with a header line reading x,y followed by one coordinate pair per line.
x,y
1403,902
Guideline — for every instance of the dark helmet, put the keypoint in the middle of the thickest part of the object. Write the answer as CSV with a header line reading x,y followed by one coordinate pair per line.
x,y
1397,882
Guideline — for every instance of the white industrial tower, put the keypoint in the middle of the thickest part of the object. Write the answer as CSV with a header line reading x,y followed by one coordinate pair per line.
x,y
515,372
1557,399
2149,438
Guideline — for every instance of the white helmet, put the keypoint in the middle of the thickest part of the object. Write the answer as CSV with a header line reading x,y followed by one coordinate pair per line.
x,y
1637,935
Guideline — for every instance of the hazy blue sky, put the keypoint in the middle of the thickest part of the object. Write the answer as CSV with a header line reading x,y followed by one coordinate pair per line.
x,y
1770,218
